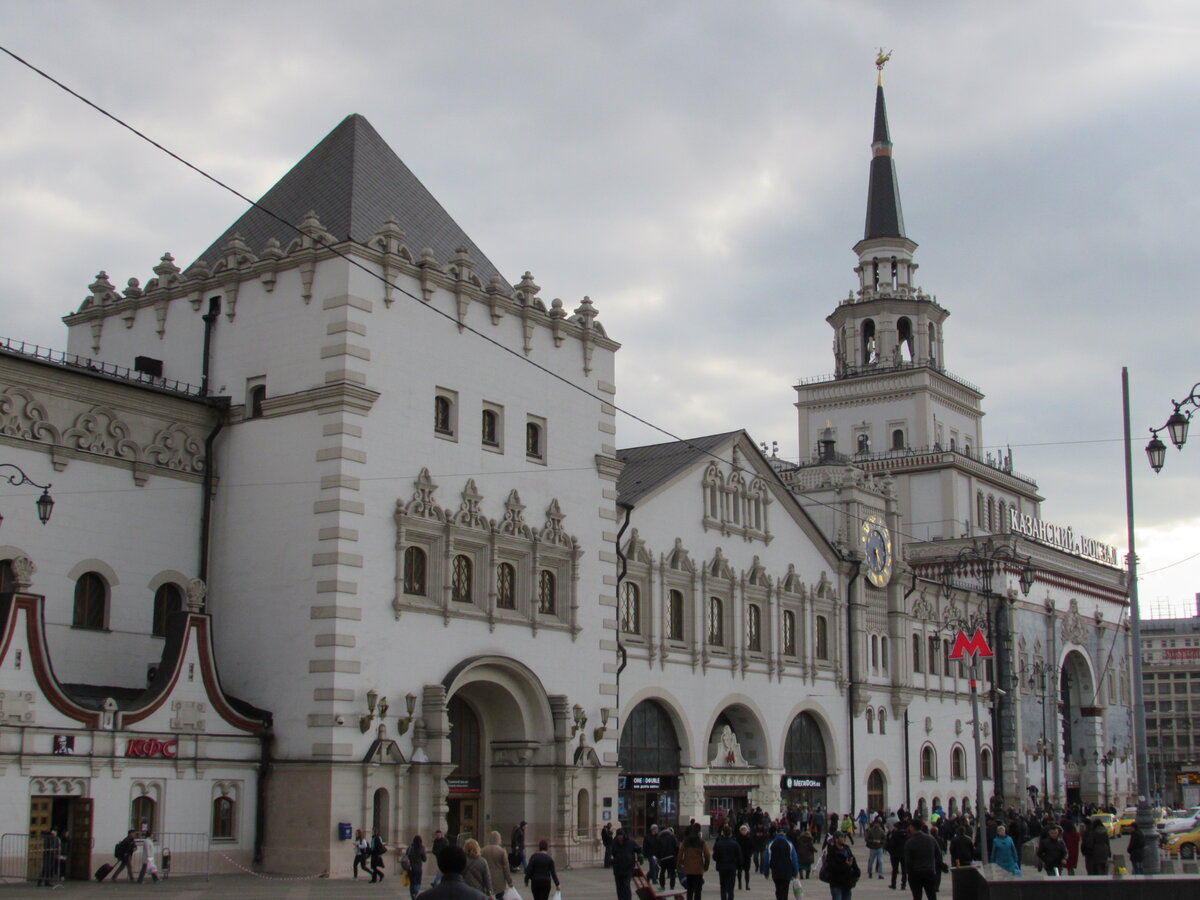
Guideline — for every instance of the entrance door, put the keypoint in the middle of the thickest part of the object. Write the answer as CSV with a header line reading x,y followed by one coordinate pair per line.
x,y
79,826
41,820
462,819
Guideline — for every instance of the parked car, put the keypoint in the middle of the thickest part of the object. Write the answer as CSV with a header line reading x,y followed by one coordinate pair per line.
x,y
1126,819
1185,844
1187,820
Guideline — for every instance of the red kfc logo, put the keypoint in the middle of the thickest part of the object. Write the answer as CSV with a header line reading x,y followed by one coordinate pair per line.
x,y
146,748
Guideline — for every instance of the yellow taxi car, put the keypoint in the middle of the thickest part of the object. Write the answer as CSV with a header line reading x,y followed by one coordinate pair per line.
x,y
1186,844
1111,825
1126,820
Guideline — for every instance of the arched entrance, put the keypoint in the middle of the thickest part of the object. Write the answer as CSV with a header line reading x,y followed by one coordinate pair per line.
x,y
805,764
876,792
648,756
500,743
379,813
1081,721
735,744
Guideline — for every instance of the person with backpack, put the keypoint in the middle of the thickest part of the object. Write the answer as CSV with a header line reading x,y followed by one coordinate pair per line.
x,y
1052,851
124,854
840,868
378,848
693,860
781,864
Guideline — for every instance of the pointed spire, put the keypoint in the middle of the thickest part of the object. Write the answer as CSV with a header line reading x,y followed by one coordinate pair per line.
x,y
884,218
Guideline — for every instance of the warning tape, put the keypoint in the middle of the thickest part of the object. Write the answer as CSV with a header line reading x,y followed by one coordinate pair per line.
x,y
238,865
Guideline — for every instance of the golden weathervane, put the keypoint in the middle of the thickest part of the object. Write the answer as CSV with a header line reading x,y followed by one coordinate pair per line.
x,y
881,60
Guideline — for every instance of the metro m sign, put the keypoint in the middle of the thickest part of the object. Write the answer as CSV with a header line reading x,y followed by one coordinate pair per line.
x,y
970,646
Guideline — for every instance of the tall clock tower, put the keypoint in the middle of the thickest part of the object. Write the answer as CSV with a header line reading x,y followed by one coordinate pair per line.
x,y
891,405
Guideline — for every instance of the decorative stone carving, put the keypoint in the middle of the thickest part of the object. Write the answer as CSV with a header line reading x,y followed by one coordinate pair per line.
x,y
188,715
197,591
23,571
554,533
100,430
469,515
174,448
513,522
51,785
423,505
728,752
22,416
679,559
17,707
923,609
1072,626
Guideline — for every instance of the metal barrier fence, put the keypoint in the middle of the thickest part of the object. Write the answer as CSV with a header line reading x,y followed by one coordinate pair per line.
x,y
178,853
23,856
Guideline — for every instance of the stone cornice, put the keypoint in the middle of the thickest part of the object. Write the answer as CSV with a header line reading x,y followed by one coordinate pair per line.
x,y
341,396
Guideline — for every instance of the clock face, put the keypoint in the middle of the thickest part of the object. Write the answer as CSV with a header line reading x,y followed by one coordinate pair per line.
x,y
876,543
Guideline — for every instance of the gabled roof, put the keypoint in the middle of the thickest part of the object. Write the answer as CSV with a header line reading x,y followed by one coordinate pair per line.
x,y
648,467
354,182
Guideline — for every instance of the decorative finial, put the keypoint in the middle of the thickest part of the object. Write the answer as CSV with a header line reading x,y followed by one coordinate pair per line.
x,y
881,60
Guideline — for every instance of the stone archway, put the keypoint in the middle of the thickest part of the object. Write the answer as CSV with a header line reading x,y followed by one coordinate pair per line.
x,y
1080,723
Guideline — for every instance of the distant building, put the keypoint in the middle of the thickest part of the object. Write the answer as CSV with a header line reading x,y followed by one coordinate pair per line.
x,y
1171,677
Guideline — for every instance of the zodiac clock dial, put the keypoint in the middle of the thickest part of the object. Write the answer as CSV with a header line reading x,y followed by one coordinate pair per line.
x,y
876,543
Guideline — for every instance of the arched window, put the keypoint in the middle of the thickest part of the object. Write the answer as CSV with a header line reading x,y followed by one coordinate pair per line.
x,y
7,583
631,609
870,720
864,443
506,586
875,791
443,414
874,651
870,354
649,744
222,819
928,763
168,600
933,655
916,653
547,593
991,513
1002,522
804,750
821,650
533,440
716,622
789,633
754,629
932,346
414,571
980,511
258,394
91,602
985,763
883,645
958,763
882,720
898,439
583,814
461,580
675,615
904,331
380,809
490,428
142,814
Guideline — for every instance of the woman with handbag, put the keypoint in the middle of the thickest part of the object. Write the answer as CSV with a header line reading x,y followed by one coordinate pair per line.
x,y
693,860
540,872
378,848
414,864
840,868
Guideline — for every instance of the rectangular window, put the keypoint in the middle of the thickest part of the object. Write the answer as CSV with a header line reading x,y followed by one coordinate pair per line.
x,y
535,439
492,427
789,633
675,615
754,629
445,413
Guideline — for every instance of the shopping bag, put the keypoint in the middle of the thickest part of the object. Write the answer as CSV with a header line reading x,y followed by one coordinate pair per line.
x,y
511,894
557,895
797,889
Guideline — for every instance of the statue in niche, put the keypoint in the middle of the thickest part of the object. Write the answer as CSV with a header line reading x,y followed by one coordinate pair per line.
x,y
728,752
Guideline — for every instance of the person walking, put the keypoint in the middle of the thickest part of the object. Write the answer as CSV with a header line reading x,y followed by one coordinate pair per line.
x,y
1072,838
1052,851
1095,848
668,854
124,853
1004,852
923,863
362,849
626,854
497,861
693,861
727,860
540,872
516,845
378,848
842,868
452,862
440,842
745,842
895,848
875,836
650,850
50,850
781,864
606,838
806,852
962,847
414,858
1136,851
477,874
149,864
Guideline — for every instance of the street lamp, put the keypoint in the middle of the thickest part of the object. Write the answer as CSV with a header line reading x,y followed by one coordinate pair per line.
x,y
985,561
1176,427
1039,683
44,504
1106,760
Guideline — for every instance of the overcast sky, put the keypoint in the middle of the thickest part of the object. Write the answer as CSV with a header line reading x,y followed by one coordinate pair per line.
x,y
699,169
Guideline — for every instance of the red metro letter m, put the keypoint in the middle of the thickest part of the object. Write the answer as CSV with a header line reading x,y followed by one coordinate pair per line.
x,y
970,646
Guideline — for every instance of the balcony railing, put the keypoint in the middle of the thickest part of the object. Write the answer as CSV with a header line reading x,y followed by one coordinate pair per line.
x,y
72,361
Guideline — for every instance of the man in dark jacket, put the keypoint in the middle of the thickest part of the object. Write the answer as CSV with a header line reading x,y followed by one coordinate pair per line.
x,y
923,861
606,838
895,848
650,849
962,847
746,845
876,835
668,852
626,854
780,864
727,860
1052,851
452,861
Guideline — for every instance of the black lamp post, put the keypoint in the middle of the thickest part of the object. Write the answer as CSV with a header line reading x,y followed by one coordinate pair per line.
x,y
1039,683
44,504
1176,428
1106,760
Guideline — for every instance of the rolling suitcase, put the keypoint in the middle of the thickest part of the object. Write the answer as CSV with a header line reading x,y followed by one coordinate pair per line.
x,y
103,871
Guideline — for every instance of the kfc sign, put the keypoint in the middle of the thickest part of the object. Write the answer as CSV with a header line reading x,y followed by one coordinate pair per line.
x,y
149,748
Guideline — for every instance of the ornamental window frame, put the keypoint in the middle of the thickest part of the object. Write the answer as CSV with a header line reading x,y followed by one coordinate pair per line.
x,y
788,645
629,610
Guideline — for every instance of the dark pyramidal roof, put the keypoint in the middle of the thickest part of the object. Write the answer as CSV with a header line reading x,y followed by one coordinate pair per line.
x,y
884,218
354,182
